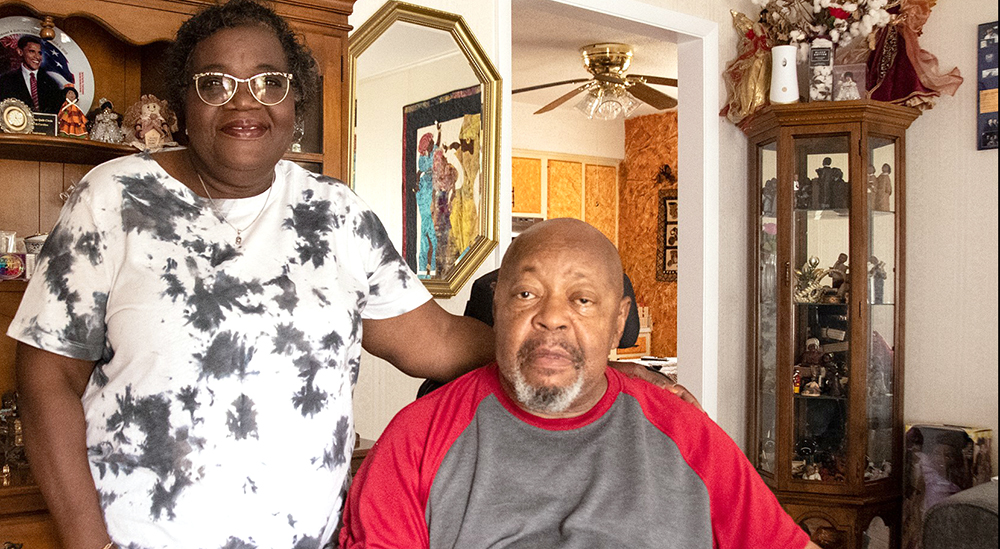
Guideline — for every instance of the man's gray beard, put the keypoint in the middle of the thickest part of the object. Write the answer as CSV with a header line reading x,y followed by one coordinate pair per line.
x,y
547,400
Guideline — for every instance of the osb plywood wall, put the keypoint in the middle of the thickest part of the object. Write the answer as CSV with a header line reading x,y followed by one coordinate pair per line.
x,y
565,189
601,204
650,142
578,187
527,188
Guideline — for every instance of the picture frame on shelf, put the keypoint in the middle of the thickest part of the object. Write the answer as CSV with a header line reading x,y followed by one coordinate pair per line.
x,y
45,124
849,82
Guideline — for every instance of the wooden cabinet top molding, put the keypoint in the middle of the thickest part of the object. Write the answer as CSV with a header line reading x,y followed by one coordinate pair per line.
x,y
129,19
829,112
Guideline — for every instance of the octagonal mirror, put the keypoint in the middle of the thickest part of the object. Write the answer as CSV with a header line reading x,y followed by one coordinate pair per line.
x,y
425,139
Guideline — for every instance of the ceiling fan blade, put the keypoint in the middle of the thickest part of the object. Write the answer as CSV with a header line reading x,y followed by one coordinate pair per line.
x,y
659,80
656,98
549,85
562,99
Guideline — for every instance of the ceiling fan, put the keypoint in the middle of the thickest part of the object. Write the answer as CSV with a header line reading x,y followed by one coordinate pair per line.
x,y
611,90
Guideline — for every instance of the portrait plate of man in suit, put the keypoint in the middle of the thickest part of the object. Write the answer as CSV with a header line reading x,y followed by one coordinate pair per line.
x,y
36,71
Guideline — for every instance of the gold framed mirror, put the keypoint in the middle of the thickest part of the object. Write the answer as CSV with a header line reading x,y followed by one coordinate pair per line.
x,y
425,139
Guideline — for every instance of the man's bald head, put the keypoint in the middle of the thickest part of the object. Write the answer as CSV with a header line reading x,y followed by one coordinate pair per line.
x,y
558,312
550,235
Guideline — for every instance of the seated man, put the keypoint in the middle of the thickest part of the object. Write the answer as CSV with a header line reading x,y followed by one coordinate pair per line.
x,y
550,447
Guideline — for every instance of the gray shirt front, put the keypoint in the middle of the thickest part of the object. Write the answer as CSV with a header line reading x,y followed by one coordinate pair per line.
x,y
616,482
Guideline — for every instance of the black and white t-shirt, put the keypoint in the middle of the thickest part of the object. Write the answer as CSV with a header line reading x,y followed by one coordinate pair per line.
x,y
219,414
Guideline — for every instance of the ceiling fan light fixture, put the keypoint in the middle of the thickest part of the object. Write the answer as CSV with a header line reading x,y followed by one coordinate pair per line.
x,y
607,102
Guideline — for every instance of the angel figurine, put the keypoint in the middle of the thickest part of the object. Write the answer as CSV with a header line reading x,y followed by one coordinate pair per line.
x,y
152,124
72,121
105,124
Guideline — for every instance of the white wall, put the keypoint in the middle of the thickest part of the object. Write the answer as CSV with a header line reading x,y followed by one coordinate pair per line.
x,y
382,390
566,131
379,155
951,242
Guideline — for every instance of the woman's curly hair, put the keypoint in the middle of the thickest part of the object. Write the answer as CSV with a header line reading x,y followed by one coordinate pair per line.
x,y
232,14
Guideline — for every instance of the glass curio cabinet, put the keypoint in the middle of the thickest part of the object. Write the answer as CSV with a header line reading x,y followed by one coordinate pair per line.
x,y
827,217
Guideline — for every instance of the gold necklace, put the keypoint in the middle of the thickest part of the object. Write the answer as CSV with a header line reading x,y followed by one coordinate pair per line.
x,y
215,208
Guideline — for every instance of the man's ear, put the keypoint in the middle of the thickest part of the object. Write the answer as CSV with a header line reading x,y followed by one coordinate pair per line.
x,y
623,307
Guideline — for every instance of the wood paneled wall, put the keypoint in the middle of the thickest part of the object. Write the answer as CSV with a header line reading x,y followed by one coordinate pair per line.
x,y
650,142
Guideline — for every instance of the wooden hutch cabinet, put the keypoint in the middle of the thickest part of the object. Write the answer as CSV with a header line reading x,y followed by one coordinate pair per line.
x,y
123,41
828,212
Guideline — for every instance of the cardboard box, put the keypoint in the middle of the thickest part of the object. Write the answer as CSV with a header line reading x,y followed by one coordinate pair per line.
x,y
940,460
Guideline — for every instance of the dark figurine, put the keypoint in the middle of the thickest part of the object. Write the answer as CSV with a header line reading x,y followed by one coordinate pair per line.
x,y
803,194
829,188
768,197
839,279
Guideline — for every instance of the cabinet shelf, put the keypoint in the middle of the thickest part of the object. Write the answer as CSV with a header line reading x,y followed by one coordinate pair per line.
x,y
45,148
303,157
818,397
823,213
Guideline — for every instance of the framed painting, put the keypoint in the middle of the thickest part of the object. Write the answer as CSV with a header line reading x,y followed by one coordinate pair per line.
x,y
667,236
436,193
442,183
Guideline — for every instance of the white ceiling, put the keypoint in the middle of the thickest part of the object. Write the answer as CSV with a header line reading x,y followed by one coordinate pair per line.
x,y
395,49
547,37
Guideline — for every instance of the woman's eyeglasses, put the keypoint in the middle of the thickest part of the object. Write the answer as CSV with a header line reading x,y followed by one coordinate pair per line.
x,y
217,88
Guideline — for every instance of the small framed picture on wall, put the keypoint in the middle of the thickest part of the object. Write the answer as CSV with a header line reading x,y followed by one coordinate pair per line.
x,y
667,236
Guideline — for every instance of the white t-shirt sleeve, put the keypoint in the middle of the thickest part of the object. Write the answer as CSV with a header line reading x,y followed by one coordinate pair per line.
x,y
63,309
393,289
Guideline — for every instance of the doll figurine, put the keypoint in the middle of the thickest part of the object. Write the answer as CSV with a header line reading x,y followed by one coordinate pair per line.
x,y
152,124
72,121
104,123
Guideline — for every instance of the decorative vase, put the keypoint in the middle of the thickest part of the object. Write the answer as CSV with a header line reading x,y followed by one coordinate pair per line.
x,y
784,82
821,70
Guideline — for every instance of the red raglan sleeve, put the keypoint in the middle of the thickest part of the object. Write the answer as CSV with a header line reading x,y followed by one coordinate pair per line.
x,y
745,514
385,505
388,497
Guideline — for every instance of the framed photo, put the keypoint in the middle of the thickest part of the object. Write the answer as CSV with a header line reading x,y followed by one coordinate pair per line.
x,y
667,236
443,188
986,114
63,62
849,82
671,209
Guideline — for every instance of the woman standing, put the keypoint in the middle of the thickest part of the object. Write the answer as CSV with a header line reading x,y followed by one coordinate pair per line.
x,y
191,340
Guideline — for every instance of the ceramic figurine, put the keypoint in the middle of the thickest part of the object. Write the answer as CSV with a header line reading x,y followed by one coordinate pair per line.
x,y
883,190
876,279
839,280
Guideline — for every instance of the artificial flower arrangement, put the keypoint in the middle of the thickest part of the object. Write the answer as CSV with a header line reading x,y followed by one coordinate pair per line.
x,y
882,34
797,22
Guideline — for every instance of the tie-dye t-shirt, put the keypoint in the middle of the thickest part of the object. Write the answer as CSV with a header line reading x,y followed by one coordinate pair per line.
x,y
219,413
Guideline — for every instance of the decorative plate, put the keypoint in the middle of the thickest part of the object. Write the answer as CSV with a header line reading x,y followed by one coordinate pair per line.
x,y
62,58
15,116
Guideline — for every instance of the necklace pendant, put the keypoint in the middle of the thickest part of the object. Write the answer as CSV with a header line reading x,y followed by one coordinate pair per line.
x,y
239,239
